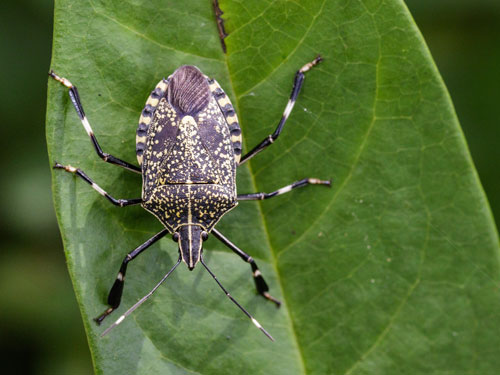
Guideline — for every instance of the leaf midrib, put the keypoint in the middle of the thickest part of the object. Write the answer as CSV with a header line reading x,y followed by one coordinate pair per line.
x,y
265,229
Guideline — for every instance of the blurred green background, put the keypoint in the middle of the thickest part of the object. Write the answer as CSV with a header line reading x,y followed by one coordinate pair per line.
x,y
40,327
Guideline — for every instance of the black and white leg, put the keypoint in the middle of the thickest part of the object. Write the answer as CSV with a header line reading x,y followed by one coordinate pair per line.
x,y
81,174
260,283
283,190
115,294
299,78
75,99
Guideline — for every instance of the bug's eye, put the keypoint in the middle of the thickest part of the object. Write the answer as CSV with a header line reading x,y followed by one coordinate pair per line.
x,y
204,235
175,237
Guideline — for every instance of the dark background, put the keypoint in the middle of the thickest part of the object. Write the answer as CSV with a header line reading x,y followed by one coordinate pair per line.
x,y
40,327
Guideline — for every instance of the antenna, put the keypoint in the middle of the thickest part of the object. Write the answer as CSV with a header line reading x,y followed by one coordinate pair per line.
x,y
254,321
141,301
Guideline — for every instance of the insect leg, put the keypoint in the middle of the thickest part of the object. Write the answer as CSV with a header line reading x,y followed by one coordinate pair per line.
x,y
75,99
80,173
115,294
283,190
299,78
260,283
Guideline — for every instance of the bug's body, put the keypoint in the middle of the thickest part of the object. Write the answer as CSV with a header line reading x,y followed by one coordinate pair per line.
x,y
188,154
188,146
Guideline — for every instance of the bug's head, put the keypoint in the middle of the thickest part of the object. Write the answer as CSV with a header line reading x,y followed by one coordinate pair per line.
x,y
190,239
188,90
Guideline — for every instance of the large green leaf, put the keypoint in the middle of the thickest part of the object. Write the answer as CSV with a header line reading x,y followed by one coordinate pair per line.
x,y
395,269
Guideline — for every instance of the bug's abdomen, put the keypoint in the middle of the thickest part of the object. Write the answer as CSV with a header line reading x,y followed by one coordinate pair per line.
x,y
195,204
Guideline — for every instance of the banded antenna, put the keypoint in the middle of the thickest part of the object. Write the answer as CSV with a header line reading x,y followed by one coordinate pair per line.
x,y
254,321
141,301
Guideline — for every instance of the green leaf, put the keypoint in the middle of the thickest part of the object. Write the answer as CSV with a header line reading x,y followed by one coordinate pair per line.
x,y
395,269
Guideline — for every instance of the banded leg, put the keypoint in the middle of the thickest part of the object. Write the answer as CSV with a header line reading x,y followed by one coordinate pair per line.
x,y
283,190
80,173
75,99
115,294
299,78
260,283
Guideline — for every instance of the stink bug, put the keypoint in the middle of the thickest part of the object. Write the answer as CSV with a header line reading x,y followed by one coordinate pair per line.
x,y
188,146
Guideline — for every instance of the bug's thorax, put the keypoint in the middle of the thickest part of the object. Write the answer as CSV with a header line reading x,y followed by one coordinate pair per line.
x,y
190,239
